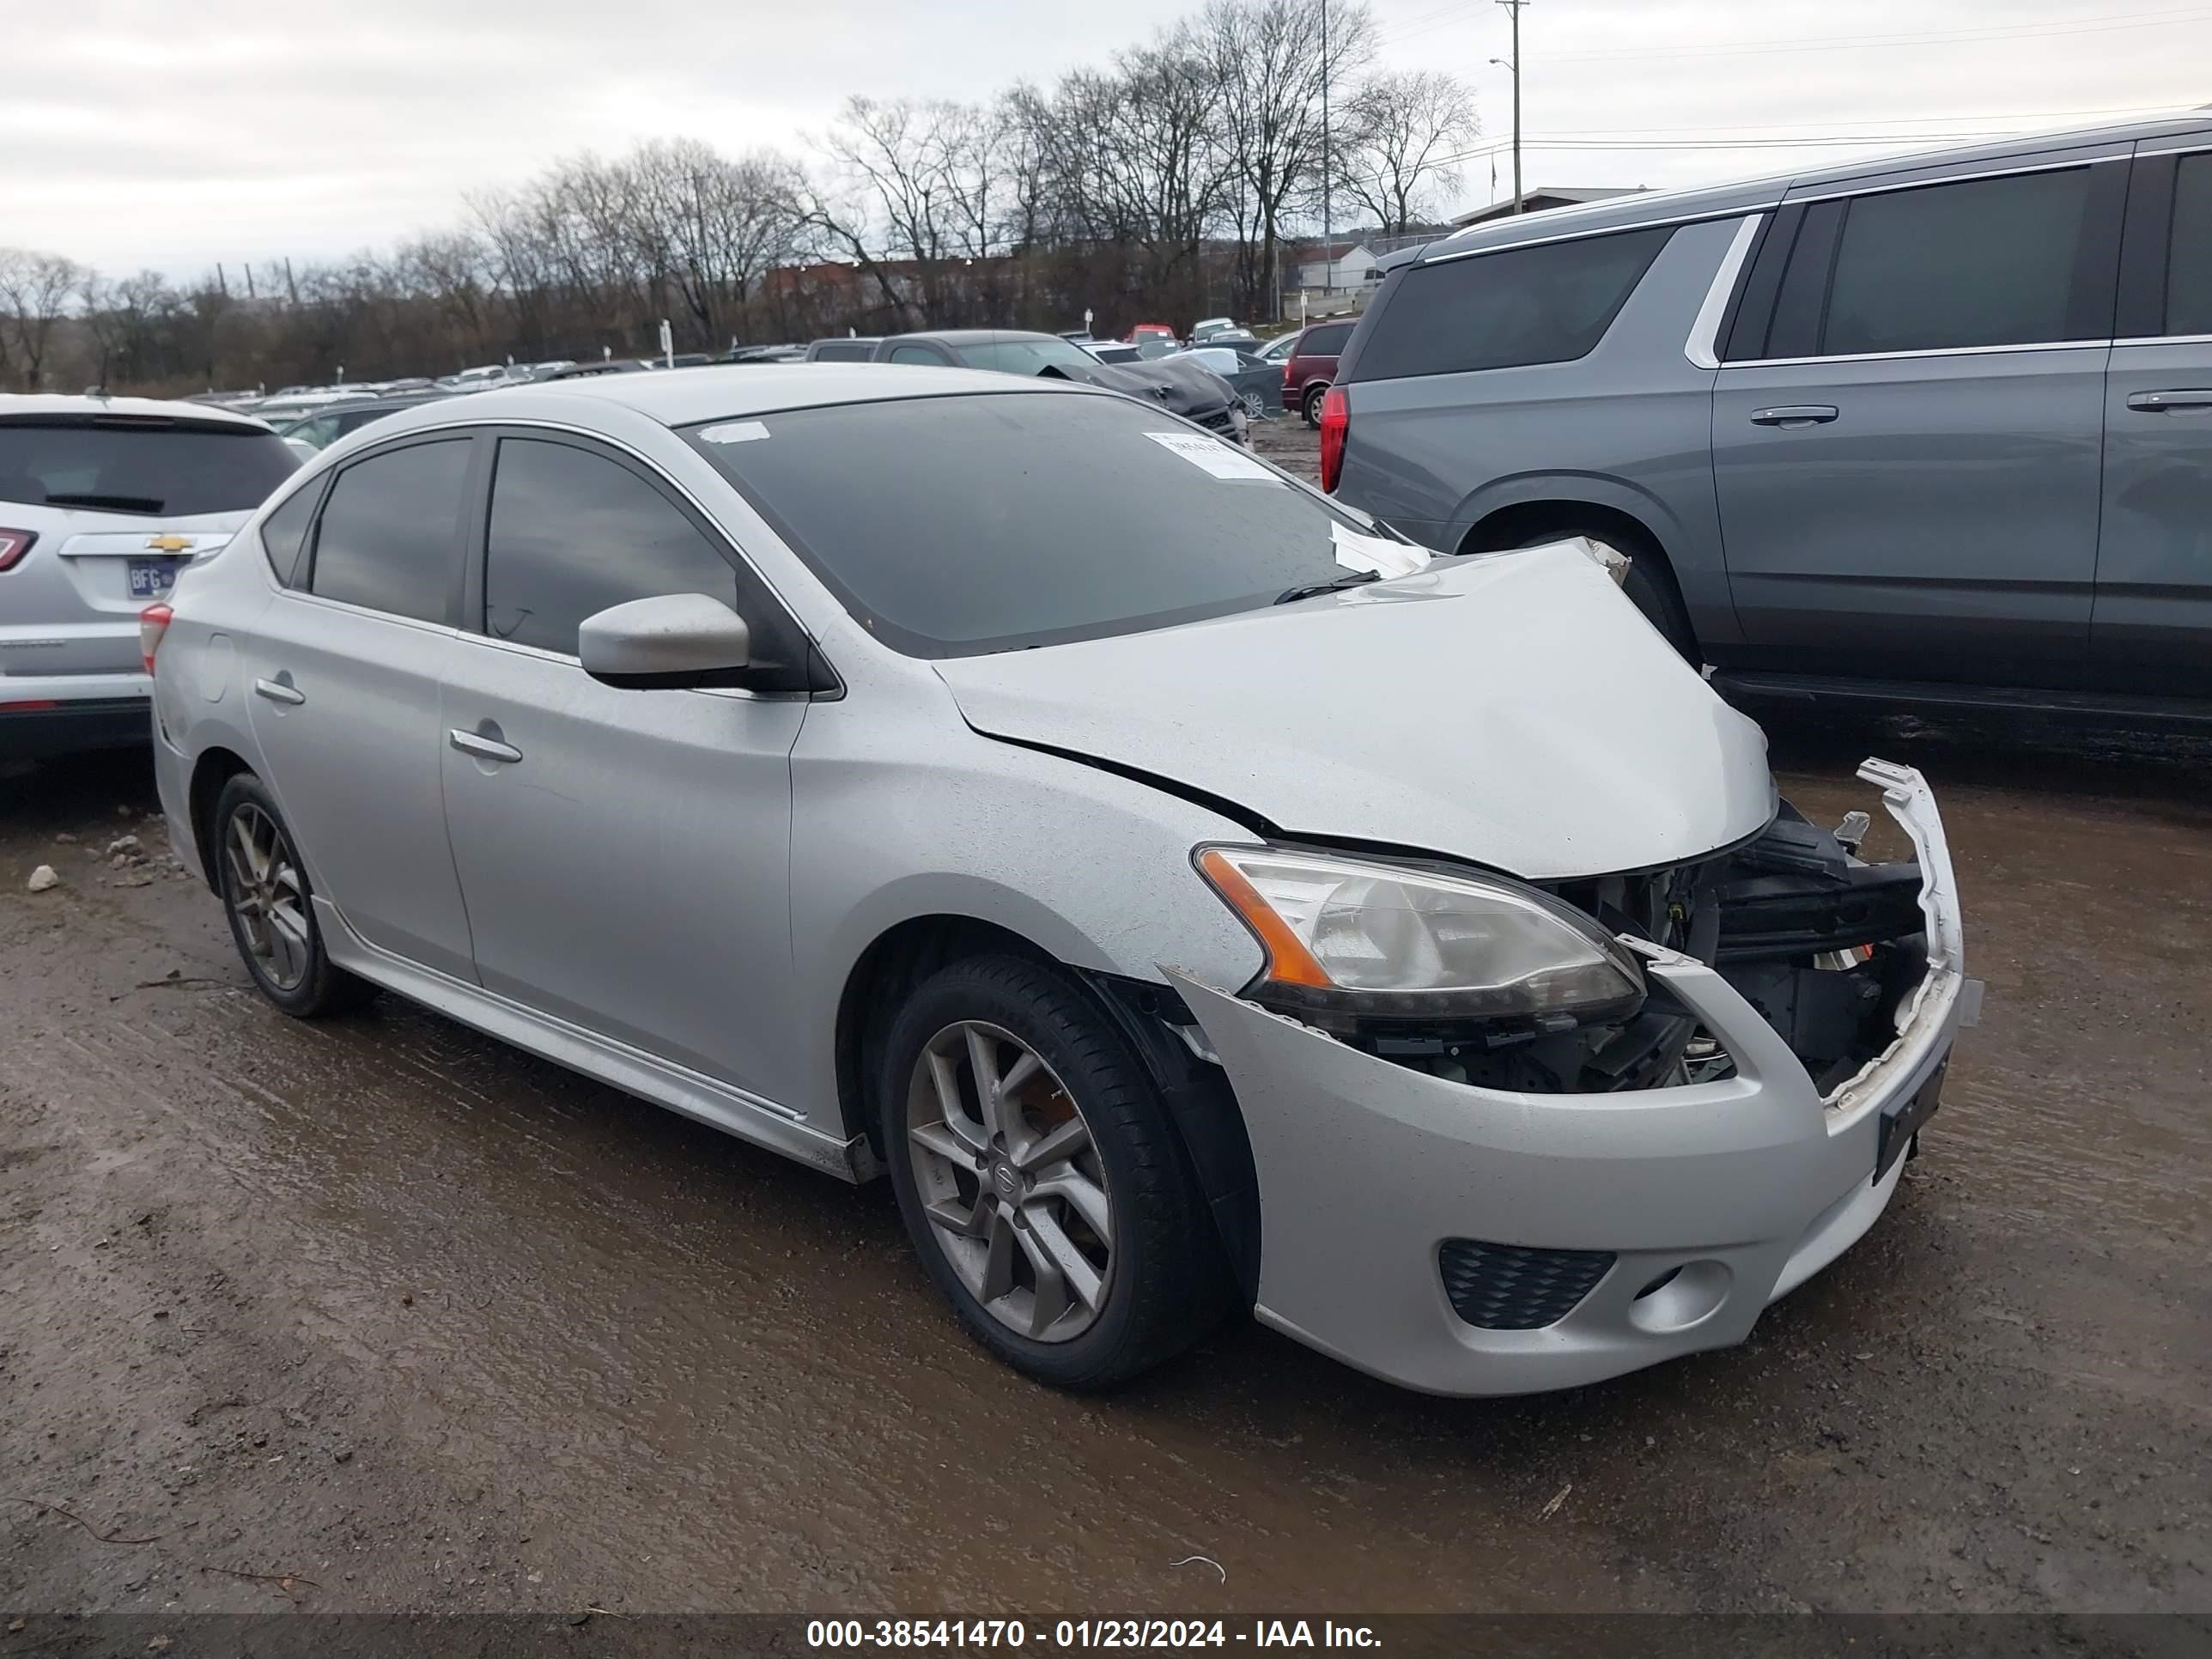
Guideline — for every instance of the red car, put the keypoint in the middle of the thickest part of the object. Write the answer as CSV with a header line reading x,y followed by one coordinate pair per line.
x,y
1310,369
1140,332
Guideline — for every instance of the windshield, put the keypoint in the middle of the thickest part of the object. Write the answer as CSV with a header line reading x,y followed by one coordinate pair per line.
x,y
1027,356
993,523
132,464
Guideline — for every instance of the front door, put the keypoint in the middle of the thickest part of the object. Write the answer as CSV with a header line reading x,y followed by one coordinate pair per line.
x,y
624,853
343,674
2152,632
1908,461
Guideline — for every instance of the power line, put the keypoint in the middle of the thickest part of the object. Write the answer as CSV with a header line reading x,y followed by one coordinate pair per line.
x,y
2053,29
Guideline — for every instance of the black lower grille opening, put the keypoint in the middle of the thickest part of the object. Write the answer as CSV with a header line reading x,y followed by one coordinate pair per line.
x,y
1514,1287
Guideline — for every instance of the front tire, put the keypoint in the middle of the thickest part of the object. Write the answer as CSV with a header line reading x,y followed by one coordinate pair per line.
x,y
1040,1178
271,909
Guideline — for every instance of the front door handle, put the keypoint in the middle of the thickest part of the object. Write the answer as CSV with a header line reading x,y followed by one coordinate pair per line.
x,y
280,691
1790,416
2157,403
475,743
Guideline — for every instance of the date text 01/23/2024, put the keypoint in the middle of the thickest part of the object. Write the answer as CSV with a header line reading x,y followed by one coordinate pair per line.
x,y
950,1634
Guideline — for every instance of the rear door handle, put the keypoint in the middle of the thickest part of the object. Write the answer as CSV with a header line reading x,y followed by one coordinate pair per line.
x,y
473,743
280,691
1795,415
2157,403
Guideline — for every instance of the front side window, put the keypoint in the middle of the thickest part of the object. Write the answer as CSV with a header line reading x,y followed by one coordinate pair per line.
x,y
572,532
993,522
1987,262
2189,255
390,535
1548,304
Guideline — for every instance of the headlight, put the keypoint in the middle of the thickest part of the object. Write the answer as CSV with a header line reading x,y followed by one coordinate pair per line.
x,y
1377,939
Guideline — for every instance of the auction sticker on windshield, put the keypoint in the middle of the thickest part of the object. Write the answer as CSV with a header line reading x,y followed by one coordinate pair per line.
x,y
1211,455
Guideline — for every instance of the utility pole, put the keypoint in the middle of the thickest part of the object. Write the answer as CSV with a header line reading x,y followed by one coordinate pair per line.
x,y
1513,10
1327,234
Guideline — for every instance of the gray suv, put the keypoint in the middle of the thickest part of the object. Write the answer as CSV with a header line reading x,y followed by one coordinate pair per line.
x,y
1932,429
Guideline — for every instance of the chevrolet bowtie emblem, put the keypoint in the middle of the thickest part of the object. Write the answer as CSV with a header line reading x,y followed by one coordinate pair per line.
x,y
169,544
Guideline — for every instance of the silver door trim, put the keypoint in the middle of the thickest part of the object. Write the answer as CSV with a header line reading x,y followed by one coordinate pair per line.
x,y
2192,147
1929,352
1706,217
749,1116
1874,186
2164,339
1702,347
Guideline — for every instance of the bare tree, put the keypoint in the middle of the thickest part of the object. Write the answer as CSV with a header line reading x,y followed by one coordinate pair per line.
x,y
35,288
1406,129
1274,59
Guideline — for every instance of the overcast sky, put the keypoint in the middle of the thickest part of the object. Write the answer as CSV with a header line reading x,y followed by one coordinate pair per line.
x,y
175,133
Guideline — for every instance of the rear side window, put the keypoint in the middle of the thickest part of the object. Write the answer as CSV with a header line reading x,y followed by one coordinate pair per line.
x,y
915,353
2188,255
285,532
572,532
1988,262
150,465
1548,304
390,535
854,351
1326,341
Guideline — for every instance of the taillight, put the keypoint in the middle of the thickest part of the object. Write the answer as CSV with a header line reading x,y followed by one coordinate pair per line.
x,y
153,622
14,543
1336,427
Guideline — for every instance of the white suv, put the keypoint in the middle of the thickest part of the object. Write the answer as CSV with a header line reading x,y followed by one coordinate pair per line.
x,y
102,501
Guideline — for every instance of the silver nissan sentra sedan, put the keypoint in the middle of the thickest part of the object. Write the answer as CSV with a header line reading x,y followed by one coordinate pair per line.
x,y
1191,895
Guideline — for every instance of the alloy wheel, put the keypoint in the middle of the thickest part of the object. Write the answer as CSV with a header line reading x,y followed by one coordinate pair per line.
x,y
1011,1180
267,897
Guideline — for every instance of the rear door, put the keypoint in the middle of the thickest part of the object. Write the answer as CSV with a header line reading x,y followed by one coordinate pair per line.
x,y
1907,447
344,671
2152,630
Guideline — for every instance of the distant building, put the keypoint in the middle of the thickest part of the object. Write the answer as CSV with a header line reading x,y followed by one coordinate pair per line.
x,y
1339,265
1537,200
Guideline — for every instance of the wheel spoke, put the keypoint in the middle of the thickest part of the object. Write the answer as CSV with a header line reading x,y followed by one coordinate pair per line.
x,y
1083,1196
288,932
1057,1146
998,1265
1051,1249
983,1062
962,1220
945,1141
1051,1299
945,1080
243,868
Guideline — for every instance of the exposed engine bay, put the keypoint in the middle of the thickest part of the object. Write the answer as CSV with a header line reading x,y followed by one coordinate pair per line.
x,y
1826,946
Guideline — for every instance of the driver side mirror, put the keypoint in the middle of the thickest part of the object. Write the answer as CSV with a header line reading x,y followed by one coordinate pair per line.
x,y
676,641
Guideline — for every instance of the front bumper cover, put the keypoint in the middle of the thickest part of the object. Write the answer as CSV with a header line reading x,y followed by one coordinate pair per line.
x,y
1742,1187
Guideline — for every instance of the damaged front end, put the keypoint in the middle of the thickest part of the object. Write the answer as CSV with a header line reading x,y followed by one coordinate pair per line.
x,y
1687,1092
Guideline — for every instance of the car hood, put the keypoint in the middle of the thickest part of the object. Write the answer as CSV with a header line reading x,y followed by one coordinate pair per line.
x,y
1511,709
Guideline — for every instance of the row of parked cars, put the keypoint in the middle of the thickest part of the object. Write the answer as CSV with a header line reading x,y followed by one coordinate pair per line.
x,y
1194,890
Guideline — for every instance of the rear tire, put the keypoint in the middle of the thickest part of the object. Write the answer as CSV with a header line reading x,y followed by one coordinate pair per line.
x,y
1310,402
271,909
989,1215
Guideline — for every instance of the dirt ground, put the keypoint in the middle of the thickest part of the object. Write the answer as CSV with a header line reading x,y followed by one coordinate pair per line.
x,y
379,1314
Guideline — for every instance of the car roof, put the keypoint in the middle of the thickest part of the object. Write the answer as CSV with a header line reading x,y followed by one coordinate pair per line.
x,y
1659,207
726,391
35,405
975,336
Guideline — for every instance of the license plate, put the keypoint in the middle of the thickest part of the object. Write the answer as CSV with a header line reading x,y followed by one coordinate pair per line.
x,y
1900,1123
152,578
